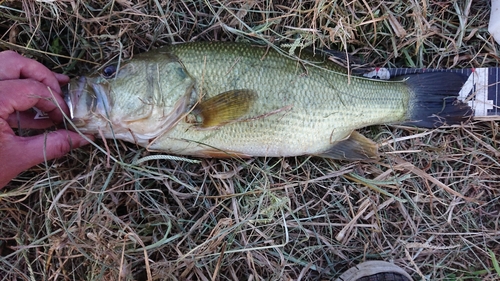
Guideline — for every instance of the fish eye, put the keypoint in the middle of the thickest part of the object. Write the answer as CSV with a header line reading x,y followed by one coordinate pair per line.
x,y
109,71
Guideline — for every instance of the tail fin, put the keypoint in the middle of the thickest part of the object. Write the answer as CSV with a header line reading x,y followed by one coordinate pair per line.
x,y
433,99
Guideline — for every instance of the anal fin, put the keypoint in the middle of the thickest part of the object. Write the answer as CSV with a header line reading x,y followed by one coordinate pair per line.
x,y
355,147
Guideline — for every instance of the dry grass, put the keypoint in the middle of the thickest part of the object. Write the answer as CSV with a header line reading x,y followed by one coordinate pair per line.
x,y
430,205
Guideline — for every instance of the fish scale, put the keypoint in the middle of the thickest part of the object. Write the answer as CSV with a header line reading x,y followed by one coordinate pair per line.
x,y
320,115
254,101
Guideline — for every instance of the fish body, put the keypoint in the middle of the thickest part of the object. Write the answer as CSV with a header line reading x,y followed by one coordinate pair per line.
x,y
233,99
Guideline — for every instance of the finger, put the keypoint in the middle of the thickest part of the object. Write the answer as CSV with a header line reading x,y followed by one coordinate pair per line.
x,y
50,145
15,66
27,120
9,170
22,95
5,130
61,78
19,153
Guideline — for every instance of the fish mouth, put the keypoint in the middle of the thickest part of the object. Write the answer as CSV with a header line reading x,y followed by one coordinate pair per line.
x,y
85,98
72,94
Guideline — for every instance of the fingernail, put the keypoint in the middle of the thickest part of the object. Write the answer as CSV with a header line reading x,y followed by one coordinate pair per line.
x,y
84,141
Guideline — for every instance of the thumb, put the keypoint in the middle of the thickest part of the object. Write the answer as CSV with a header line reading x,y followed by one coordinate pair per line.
x,y
21,153
49,146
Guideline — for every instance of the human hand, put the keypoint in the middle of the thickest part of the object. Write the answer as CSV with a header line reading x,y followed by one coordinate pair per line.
x,y
25,83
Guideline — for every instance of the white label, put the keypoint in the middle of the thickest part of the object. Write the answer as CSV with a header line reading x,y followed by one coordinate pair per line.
x,y
475,92
40,114
379,73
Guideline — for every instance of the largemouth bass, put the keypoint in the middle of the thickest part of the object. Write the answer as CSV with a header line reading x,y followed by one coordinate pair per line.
x,y
241,100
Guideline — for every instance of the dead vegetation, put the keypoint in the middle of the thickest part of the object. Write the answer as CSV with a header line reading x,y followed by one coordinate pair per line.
x,y
430,205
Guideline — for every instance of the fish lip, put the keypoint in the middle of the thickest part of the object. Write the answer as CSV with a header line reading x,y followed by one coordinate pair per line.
x,y
72,96
87,97
102,105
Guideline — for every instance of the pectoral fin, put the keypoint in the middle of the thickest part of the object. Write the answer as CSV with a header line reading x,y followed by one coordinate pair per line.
x,y
355,147
224,108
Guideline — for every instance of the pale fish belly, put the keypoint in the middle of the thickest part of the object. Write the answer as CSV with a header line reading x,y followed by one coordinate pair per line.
x,y
272,139
295,130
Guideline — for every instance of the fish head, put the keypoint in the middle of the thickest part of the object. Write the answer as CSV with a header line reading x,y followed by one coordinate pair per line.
x,y
135,101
